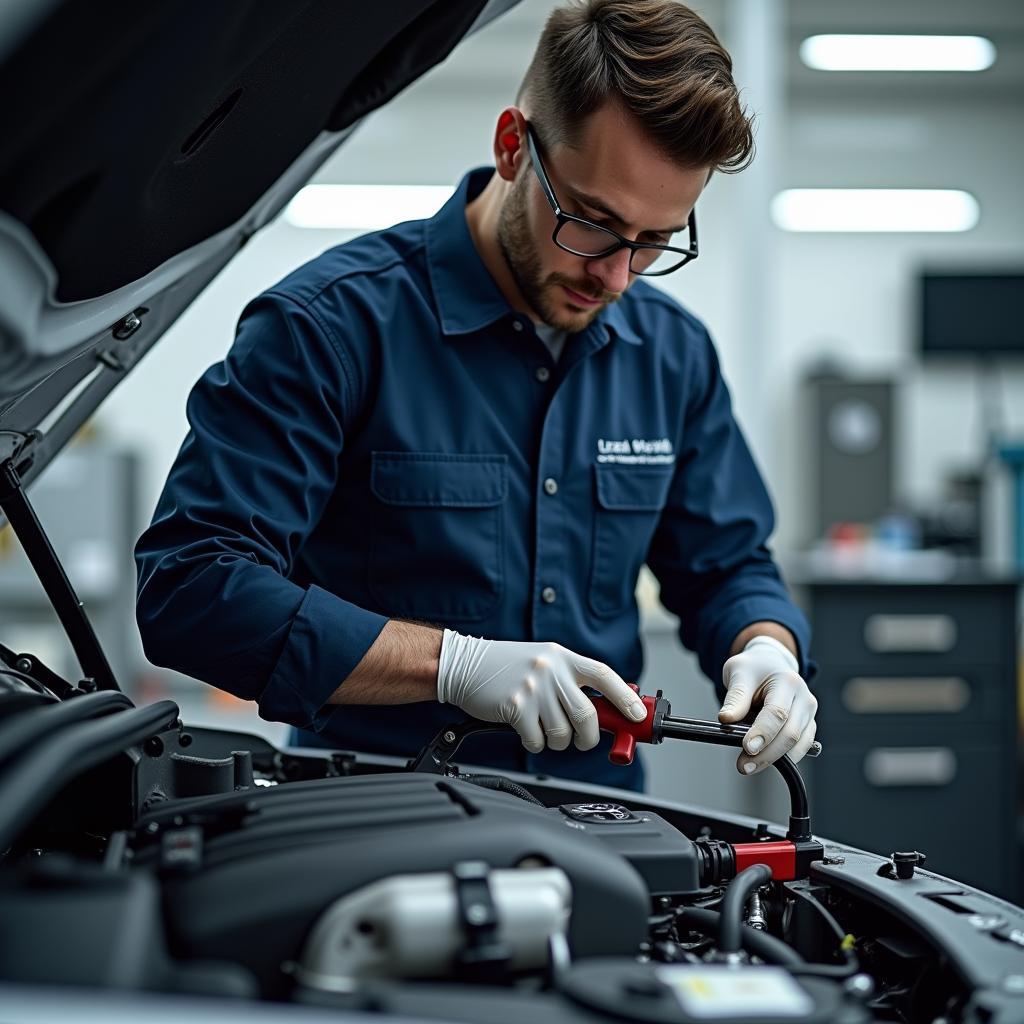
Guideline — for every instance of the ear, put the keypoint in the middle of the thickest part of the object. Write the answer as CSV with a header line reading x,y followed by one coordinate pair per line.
x,y
510,142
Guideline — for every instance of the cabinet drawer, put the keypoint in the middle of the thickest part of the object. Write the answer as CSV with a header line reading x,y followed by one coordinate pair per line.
x,y
899,625
870,694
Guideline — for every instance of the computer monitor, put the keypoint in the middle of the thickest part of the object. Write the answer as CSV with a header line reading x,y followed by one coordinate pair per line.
x,y
972,313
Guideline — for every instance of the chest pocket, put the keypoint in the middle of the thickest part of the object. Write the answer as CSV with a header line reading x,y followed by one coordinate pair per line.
x,y
629,500
437,548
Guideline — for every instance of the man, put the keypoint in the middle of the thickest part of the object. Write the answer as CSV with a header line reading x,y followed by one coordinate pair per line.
x,y
435,458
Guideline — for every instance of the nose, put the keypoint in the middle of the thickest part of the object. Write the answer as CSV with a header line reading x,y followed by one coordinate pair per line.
x,y
611,270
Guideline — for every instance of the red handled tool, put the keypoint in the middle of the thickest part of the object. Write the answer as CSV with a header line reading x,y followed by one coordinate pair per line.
x,y
628,733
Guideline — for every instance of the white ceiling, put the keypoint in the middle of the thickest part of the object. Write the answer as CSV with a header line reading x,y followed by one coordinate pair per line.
x,y
443,123
500,53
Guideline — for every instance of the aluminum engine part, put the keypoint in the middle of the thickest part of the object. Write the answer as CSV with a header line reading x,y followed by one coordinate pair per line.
x,y
408,926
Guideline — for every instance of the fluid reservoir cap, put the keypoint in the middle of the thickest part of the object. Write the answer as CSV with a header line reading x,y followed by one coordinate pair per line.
x,y
600,813
905,862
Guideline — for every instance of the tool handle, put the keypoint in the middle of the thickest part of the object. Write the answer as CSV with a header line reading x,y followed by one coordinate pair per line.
x,y
627,733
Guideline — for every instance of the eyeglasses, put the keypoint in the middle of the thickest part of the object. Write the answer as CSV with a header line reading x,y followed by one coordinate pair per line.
x,y
582,237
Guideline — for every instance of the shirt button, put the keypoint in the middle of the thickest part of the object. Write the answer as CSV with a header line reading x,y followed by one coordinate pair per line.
x,y
550,486
542,374
517,325
548,595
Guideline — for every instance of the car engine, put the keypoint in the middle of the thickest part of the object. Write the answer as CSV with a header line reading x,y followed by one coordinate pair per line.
x,y
148,857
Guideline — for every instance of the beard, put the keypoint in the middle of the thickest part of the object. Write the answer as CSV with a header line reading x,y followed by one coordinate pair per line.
x,y
543,293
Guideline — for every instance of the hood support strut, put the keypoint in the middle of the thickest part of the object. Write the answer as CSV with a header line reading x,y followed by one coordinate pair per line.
x,y
21,515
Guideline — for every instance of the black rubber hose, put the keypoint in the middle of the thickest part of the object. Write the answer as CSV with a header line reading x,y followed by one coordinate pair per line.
x,y
29,784
502,785
731,926
23,730
767,947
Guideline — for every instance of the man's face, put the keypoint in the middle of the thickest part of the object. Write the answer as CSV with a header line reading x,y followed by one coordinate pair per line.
x,y
616,178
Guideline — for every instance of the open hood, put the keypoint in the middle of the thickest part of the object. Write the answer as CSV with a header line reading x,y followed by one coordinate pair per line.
x,y
143,145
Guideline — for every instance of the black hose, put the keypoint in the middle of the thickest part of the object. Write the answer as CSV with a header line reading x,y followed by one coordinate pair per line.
x,y
501,785
734,903
758,943
29,784
22,731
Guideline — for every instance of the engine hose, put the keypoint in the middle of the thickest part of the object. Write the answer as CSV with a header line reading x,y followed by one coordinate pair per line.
x,y
502,785
738,892
22,731
767,947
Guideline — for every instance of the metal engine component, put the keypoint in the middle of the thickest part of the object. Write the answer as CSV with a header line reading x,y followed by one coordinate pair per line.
x,y
420,926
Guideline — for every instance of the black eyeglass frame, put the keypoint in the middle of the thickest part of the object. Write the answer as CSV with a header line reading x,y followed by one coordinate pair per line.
x,y
562,218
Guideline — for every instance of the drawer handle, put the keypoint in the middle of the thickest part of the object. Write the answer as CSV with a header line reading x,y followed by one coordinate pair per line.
x,y
910,766
915,634
906,695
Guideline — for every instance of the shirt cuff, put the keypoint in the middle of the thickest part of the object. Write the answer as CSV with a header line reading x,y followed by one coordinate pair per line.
x,y
327,639
758,609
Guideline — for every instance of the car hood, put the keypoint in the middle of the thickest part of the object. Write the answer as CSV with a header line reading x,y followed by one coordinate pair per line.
x,y
144,144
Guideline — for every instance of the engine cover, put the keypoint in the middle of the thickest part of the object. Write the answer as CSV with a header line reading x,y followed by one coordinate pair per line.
x,y
249,873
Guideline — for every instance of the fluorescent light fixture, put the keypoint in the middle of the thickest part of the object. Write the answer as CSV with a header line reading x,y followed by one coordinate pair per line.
x,y
897,53
364,207
874,209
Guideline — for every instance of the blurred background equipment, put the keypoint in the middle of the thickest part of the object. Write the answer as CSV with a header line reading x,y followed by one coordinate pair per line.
x,y
972,313
852,428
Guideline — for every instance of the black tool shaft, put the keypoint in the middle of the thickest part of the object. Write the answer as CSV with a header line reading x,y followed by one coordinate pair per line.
x,y
732,736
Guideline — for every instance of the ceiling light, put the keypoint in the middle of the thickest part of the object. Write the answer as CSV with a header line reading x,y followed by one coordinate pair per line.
x,y
364,207
874,209
897,53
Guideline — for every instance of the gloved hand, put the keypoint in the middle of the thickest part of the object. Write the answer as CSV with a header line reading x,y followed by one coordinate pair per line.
x,y
766,673
534,687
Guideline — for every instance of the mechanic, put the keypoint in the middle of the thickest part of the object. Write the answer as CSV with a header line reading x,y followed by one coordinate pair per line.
x,y
426,476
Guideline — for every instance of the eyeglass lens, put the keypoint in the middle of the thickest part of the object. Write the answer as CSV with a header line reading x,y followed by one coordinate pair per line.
x,y
591,240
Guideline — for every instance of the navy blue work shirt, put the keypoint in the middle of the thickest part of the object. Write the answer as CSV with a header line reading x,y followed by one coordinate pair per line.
x,y
388,438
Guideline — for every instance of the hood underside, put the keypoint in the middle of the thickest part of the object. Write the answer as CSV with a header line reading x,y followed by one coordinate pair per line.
x,y
143,145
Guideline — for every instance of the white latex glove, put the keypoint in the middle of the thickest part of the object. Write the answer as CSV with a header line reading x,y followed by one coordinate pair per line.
x,y
534,687
766,673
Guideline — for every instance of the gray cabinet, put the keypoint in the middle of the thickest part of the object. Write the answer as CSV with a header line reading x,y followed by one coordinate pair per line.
x,y
917,687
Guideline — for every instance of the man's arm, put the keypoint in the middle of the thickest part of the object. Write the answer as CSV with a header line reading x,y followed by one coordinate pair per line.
x,y
710,550
711,557
537,688
215,595
399,668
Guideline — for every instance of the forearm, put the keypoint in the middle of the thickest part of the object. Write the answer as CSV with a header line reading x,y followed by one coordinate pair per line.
x,y
772,629
399,668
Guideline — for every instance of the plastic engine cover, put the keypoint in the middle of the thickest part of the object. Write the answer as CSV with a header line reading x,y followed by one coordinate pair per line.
x,y
268,862
658,850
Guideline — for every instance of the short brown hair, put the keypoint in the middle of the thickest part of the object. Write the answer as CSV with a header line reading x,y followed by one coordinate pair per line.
x,y
660,60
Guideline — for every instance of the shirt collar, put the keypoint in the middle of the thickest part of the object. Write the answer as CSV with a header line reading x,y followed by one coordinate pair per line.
x,y
467,297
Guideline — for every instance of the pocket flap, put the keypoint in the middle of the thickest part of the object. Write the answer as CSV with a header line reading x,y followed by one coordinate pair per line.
x,y
429,479
633,488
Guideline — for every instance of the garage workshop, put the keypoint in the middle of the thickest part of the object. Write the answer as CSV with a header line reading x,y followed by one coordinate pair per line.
x,y
562,559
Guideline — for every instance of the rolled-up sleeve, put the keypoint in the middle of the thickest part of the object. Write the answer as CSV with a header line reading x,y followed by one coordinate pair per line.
x,y
710,551
267,426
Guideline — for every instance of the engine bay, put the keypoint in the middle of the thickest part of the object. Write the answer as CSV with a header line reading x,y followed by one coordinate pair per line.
x,y
144,856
